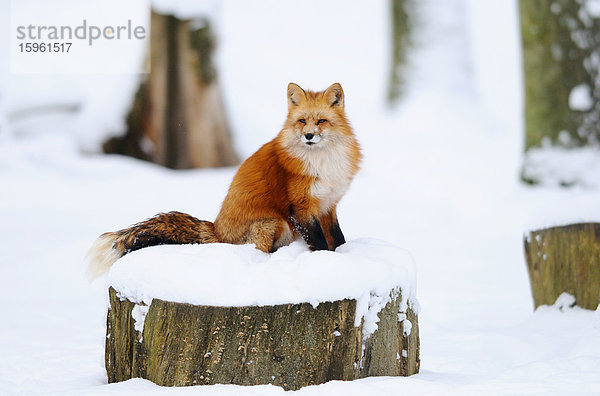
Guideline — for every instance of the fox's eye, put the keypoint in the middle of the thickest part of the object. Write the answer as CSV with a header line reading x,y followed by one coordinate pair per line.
x,y
302,121
321,121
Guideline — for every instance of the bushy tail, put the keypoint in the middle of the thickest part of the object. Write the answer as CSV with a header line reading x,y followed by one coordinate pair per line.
x,y
162,229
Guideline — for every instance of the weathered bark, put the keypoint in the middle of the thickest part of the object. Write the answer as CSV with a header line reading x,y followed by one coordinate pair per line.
x,y
401,28
290,345
565,259
561,45
177,118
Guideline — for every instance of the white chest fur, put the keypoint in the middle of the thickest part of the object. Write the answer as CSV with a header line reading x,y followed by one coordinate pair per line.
x,y
333,171
329,161
329,192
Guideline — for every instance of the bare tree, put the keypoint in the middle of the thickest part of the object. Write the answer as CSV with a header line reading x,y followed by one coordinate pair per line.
x,y
561,54
401,28
177,118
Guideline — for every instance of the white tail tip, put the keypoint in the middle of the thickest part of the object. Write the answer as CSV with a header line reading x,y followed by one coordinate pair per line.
x,y
101,256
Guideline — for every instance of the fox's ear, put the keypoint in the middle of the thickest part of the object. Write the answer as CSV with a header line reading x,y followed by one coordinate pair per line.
x,y
335,95
295,94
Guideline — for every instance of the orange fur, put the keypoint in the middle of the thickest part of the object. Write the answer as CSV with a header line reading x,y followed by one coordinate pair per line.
x,y
289,188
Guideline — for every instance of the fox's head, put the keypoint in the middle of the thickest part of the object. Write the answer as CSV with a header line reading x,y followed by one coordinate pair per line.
x,y
315,119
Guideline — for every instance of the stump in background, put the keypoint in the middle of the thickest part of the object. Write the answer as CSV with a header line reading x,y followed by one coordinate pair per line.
x,y
290,345
565,259
177,118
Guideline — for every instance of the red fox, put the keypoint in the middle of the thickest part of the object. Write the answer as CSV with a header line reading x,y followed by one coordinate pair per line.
x,y
286,190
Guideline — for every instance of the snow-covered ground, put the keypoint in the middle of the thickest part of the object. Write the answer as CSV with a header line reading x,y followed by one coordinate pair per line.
x,y
440,179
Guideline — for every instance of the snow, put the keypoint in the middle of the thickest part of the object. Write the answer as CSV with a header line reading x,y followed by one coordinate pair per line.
x,y
367,270
592,7
494,45
138,313
564,301
555,165
440,179
580,98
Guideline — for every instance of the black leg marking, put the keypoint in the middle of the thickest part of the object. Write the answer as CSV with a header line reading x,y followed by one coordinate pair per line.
x,y
273,248
311,232
316,238
337,235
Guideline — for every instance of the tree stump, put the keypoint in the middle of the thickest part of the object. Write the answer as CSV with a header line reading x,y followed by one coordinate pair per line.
x,y
291,345
565,259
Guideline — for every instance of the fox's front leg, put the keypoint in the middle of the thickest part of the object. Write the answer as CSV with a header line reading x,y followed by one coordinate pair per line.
x,y
309,227
331,229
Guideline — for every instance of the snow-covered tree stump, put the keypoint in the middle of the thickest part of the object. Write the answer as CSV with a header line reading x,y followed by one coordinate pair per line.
x,y
565,260
273,325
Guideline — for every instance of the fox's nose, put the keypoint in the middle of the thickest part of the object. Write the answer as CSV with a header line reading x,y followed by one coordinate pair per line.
x,y
309,136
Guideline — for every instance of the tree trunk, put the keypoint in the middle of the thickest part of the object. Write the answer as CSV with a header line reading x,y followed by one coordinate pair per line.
x,y
561,50
401,28
177,118
290,345
565,259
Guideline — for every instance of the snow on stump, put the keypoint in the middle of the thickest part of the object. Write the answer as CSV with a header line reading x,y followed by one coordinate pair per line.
x,y
224,314
565,259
